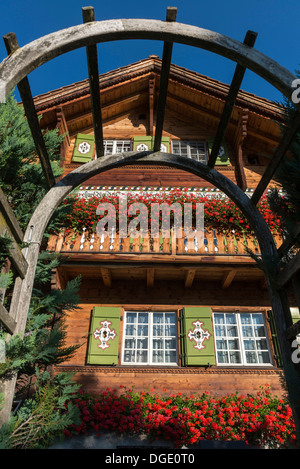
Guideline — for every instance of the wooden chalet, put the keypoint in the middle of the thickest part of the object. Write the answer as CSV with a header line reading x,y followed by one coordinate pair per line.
x,y
153,314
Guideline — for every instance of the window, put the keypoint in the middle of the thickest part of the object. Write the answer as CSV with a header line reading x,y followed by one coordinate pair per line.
x,y
116,146
241,339
191,149
150,338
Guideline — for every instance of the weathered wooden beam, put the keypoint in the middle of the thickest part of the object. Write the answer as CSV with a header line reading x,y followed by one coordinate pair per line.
x,y
15,253
228,278
10,218
292,331
150,277
8,322
239,136
151,104
238,76
106,277
288,137
189,278
93,70
164,81
12,46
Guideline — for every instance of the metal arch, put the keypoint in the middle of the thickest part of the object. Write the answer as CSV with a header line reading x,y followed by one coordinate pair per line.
x,y
23,61
36,53
56,194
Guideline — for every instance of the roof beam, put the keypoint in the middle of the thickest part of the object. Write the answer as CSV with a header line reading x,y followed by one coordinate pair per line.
x,y
288,137
229,103
12,45
88,15
164,80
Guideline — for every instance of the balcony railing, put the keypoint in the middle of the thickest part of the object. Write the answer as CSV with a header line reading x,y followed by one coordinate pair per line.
x,y
214,244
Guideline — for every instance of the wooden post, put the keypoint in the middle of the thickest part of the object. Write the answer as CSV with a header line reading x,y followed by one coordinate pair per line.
x,y
93,70
239,73
164,80
12,45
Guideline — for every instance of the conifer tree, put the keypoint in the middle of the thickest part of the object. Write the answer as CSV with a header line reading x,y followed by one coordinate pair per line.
x,y
286,204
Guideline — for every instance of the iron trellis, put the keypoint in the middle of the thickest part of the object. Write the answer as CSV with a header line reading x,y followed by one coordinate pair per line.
x,y
22,61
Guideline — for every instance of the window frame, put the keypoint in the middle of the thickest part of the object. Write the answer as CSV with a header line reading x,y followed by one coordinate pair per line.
x,y
188,147
150,339
240,337
115,143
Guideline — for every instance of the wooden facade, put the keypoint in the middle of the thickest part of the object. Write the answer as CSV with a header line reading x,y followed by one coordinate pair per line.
x,y
159,275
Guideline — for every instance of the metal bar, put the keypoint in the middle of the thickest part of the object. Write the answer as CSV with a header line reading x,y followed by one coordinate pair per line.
x,y
88,15
229,103
164,80
11,45
287,139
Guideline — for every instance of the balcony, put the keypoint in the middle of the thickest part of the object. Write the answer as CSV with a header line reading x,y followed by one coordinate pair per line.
x,y
215,245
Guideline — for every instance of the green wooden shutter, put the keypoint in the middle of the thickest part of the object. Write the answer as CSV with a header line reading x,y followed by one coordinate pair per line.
x,y
105,320
140,141
223,158
148,141
275,341
166,142
83,149
191,319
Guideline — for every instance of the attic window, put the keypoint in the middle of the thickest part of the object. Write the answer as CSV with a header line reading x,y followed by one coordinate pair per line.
x,y
195,149
116,146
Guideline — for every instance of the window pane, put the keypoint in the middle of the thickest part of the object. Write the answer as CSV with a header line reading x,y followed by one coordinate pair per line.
x,y
131,318
232,331
130,329
222,357
263,357
233,344
143,318
130,343
141,356
220,331
142,343
230,319
259,331
170,344
241,338
219,318
170,356
158,356
154,344
158,318
129,356
235,357
158,344
142,330
221,344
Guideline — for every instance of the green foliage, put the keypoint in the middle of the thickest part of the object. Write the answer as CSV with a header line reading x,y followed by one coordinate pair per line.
x,y
44,339
43,418
21,175
287,204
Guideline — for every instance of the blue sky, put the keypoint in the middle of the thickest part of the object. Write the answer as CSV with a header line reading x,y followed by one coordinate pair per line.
x,y
275,21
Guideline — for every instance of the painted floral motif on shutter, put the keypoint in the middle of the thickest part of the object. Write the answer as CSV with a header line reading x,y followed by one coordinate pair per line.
x,y
198,335
104,334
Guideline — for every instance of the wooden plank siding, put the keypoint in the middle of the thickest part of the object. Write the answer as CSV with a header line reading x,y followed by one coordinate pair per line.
x,y
154,276
188,380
